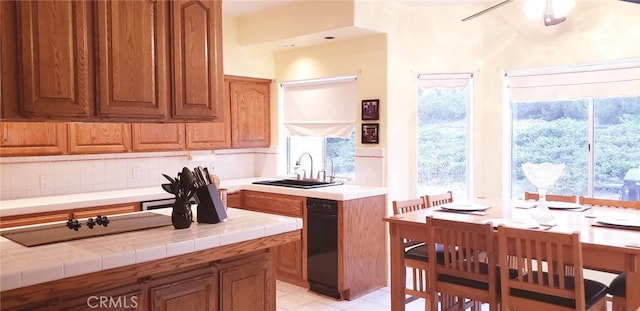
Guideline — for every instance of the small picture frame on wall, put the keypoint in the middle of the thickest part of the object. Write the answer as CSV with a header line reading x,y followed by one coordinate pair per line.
x,y
370,133
371,109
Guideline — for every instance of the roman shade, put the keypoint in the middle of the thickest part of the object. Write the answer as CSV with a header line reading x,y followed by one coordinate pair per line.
x,y
320,108
448,80
569,83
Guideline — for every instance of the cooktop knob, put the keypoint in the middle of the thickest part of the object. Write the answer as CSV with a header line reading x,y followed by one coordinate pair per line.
x,y
102,220
90,223
73,224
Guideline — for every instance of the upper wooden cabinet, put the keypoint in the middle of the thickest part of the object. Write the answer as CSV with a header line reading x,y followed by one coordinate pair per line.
x,y
133,59
56,67
250,112
137,61
99,138
197,59
158,137
32,138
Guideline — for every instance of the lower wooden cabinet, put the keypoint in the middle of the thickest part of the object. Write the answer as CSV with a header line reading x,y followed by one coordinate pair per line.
x,y
194,290
40,218
247,275
290,257
121,298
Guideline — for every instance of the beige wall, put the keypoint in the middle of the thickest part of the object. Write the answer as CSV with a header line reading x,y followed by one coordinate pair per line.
x,y
431,39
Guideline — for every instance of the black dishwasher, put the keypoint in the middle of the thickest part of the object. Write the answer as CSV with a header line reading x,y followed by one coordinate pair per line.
x,y
322,246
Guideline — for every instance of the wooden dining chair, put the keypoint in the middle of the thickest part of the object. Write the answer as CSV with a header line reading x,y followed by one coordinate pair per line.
x,y
618,286
417,264
542,281
551,197
468,270
432,200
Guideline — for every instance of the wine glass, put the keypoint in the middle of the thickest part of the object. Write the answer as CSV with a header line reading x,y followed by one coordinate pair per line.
x,y
543,176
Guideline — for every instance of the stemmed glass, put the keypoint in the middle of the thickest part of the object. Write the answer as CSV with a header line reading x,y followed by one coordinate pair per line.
x,y
543,176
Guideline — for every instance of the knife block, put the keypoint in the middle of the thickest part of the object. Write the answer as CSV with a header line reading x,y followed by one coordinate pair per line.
x,y
210,208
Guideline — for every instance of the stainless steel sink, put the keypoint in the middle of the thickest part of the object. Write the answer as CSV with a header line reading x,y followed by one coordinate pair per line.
x,y
295,183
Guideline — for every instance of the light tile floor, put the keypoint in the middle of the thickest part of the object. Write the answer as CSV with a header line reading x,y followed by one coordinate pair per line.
x,y
294,298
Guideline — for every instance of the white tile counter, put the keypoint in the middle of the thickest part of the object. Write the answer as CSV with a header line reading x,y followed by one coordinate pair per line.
x,y
22,266
73,201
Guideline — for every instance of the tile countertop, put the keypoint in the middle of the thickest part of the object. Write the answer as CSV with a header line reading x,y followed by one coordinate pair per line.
x,y
81,200
22,266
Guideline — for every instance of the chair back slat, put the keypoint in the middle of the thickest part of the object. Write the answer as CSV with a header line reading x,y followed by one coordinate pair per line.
x,y
551,197
469,255
410,205
608,203
432,200
542,259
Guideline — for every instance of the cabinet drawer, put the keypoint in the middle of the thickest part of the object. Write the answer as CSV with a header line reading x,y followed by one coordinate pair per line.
x,y
107,210
280,204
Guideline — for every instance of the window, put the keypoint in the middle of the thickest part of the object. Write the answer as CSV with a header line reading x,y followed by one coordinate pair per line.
x,y
319,119
593,130
443,134
324,151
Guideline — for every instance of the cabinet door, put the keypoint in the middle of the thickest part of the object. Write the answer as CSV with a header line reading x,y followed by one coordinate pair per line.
x,y
207,136
289,261
197,59
107,210
252,278
32,138
133,59
32,219
250,126
56,68
99,138
196,293
124,298
158,136
272,203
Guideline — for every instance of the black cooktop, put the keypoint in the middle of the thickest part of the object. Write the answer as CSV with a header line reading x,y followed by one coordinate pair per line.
x,y
60,232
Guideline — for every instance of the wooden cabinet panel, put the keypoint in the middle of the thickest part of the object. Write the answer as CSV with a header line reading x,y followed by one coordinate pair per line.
x,y
124,298
280,204
289,260
250,112
197,59
32,138
99,138
158,136
36,218
196,293
56,71
133,59
247,276
210,135
107,210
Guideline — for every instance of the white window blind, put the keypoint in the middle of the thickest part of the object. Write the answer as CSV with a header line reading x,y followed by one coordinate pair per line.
x,y
449,80
321,108
568,83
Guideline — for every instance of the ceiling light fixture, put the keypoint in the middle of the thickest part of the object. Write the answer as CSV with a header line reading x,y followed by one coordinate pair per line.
x,y
329,37
289,45
553,12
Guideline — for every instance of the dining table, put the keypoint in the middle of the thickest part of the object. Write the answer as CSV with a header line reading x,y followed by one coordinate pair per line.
x,y
609,237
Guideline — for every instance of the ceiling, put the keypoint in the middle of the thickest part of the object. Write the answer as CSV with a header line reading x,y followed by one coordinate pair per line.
x,y
242,7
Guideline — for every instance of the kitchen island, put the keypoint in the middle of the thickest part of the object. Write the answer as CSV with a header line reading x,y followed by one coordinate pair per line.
x,y
221,266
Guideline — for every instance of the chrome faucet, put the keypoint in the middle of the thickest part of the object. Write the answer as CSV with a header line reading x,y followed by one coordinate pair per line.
x,y
333,173
310,169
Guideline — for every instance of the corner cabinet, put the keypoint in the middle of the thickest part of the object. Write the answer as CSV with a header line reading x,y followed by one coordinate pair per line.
x,y
249,100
